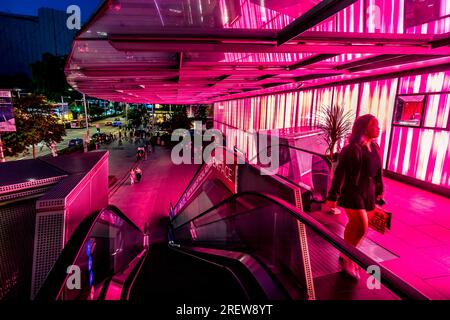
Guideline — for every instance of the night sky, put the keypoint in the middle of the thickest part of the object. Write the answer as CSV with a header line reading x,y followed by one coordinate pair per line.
x,y
30,7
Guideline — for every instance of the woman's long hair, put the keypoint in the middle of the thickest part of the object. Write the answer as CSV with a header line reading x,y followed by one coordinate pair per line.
x,y
359,128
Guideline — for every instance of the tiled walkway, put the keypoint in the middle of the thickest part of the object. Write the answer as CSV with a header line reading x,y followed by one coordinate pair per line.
x,y
148,201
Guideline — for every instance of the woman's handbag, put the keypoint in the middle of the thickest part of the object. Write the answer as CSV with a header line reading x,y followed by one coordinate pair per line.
x,y
380,219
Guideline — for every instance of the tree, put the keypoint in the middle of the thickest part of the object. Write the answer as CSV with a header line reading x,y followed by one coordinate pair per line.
x,y
19,80
136,115
200,113
76,110
96,110
35,123
180,119
49,78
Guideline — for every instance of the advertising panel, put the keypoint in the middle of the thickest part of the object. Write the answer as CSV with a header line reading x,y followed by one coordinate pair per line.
x,y
7,122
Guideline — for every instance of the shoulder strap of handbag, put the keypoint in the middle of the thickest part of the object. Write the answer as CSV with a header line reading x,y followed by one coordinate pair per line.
x,y
359,155
359,159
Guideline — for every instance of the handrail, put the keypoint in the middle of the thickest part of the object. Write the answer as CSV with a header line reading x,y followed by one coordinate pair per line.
x,y
55,280
390,280
327,161
300,184
189,184
323,157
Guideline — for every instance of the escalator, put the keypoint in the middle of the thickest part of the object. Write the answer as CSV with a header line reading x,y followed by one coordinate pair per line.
x,y
248,247
222,245
116,264
187,276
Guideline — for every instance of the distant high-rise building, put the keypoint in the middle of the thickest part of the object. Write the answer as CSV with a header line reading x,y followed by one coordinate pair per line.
x,y
23,39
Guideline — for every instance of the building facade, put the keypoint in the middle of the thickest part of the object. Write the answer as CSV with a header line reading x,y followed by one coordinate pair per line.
x,y
24,39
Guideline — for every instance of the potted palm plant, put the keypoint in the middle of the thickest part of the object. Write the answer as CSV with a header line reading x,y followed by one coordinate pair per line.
x,y
335,124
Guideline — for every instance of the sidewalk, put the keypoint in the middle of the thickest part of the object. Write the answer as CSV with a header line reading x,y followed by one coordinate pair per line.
x,y
148,201
417,248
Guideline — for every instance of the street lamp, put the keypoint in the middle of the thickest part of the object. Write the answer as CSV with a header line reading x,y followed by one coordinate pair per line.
x,y
86,141
87,124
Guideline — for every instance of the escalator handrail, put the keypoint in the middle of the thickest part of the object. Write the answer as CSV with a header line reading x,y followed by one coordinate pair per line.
x,y
390,280
301,185
327,161
188,186
323,157
56,278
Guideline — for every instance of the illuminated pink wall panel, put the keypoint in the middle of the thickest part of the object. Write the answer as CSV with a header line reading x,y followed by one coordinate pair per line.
x,y
415,152
437,110
390,19
432,82
322,97
347,97
435,27
378,98
304,109
254,16
423,154
383,16
373,16
351,19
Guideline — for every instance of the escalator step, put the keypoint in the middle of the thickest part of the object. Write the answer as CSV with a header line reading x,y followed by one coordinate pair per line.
x,y
168,274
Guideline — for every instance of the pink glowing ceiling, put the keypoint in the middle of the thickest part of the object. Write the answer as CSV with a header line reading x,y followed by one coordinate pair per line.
x,y
188,52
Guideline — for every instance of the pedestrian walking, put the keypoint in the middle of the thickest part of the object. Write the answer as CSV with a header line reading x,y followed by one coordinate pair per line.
x,y
132,176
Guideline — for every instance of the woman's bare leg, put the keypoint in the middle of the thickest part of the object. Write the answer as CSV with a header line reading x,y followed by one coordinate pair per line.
x,y
355,231
357,226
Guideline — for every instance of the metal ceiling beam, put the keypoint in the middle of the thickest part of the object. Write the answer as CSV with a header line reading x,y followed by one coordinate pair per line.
x,y
193,33
324,48
255,36
180,65
389,75
316,15
368,61
314,76
394,62
370,78
309,61
211,72
265,76
441,41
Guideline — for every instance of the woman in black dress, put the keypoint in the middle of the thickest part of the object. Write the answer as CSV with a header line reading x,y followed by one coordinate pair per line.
x,y
357,183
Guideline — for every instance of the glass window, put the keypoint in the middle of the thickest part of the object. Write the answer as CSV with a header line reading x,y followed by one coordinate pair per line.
x,y
437,111
418,12
408,110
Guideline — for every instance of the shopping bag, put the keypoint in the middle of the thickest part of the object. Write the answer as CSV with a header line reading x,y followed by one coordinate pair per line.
x,y
380,220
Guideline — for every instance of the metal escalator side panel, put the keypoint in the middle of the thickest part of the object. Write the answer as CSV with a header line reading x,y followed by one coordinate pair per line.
x,y
121,283
220,166
303,244
271,229
259,275
102,245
